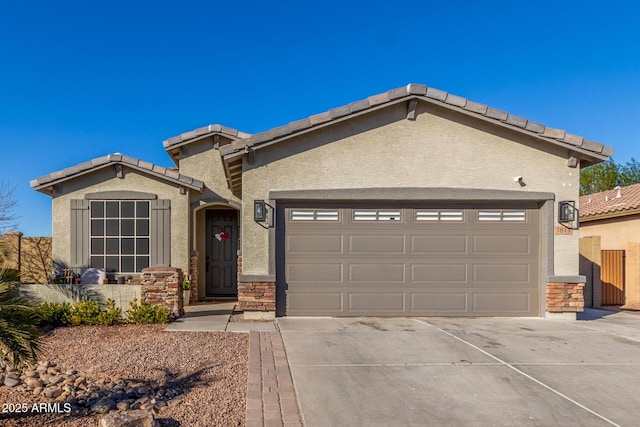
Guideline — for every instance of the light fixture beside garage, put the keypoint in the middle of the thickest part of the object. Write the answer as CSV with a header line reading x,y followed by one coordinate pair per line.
x,y
259,211
566,211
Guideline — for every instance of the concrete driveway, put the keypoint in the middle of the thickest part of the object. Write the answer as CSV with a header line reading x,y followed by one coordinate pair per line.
x,y
466,372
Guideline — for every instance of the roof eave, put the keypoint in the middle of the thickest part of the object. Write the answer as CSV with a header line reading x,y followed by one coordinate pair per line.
x,y
47,188
608,215
235,149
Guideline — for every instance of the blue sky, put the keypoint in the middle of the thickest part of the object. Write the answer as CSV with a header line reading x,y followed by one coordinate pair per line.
x,y
79,79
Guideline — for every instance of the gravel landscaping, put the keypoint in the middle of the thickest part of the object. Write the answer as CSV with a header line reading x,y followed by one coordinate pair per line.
x,y
185,378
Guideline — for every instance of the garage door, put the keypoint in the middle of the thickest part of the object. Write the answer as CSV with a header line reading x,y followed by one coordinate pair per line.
x,y
397,260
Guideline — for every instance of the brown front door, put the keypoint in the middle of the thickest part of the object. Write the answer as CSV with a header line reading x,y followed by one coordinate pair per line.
x,y
221,259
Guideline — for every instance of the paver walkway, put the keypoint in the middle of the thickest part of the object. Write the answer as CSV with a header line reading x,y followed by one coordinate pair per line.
x,y
271,398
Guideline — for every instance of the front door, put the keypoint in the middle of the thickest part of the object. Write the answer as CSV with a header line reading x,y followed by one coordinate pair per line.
x,y
221,261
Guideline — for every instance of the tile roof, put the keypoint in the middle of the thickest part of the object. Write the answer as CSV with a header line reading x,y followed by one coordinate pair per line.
x,y
169,174
616,202
187,137
427,93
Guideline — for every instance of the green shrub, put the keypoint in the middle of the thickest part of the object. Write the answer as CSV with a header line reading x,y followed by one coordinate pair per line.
x,y
147,313
112,315
54,314
85,313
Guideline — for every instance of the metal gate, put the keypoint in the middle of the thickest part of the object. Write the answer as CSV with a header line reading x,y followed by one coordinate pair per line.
x,y
612,277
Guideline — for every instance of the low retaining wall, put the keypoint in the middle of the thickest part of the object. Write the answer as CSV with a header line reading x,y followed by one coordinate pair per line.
x,y
121,294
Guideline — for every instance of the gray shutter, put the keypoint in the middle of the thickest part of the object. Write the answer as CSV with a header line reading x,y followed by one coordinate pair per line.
x,y
79,233
160,232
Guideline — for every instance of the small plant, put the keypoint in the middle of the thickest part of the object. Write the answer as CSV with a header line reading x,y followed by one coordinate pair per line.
x,y
85,313
147,313
186,283
54,314
19,335
111,316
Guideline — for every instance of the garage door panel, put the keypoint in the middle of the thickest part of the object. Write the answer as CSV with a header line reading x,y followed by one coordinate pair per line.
x,y
437,244
376,273
444,302
315,244
314,272
502,245
502,273
502,302
439,273
376,301
317,302
376,244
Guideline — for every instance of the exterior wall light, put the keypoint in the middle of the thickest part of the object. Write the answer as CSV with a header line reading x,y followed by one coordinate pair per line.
x,y
566,211
259,211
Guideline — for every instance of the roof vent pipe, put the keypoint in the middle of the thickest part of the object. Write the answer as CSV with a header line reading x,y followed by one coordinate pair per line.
x,y
619,193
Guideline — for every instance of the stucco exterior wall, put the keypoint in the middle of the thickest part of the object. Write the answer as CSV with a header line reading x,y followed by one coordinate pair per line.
x,y
106,180
383,149
613,232
202,161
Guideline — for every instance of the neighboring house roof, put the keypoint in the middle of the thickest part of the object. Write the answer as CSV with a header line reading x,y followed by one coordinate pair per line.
x,y
620,201
232,153
46,183
203,132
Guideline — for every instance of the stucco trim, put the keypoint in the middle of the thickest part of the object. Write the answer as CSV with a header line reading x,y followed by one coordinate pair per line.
x,y
409,194
248,278
566,279
120,195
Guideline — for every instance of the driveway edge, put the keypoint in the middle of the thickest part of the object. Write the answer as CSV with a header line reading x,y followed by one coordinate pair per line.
x,y
271,397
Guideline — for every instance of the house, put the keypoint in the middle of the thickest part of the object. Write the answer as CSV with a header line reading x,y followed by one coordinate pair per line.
x,y
610,245
411,202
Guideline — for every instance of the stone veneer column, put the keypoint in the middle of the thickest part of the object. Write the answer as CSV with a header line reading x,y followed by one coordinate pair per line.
x,y
257,296
193,271
162,286
565,297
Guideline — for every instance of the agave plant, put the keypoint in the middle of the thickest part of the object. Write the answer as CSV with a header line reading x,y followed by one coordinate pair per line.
x,y
19,334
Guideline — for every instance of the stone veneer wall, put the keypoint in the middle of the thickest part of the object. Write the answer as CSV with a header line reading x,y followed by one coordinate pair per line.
x,y
162,286
257,296
193,271
565,297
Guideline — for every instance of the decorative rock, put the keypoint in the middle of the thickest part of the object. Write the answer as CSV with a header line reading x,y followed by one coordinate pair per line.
x,y
31,373
129,419
174,402
33,382
45,377
54,380
37,391
122,406
53,392
11,382
118,396
103,406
